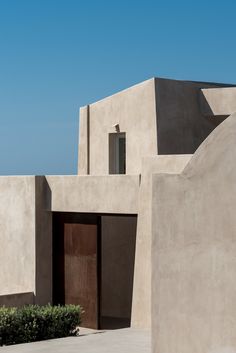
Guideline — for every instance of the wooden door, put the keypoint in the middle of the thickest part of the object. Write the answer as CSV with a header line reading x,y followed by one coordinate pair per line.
x,y
80,270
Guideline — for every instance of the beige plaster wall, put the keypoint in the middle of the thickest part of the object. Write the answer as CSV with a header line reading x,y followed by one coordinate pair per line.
x,y
159,116
100,194
17,235
218,101
83,151
134,110
141,306
118,250
26,237
193,250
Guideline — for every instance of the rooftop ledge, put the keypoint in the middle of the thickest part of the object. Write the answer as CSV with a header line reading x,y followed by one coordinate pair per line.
x,y
218,101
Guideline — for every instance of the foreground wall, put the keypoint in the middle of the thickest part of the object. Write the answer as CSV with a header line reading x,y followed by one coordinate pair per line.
x,y
17,237
193,251
141,306
25,236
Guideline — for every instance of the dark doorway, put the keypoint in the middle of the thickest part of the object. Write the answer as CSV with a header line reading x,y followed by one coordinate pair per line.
x,y
118,234
93,266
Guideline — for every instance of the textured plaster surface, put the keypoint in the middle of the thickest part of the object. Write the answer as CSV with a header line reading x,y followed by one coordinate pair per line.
x,y
83,151
218,101
159,116
135,112
181,125
17,235
141,307
100,194
193,250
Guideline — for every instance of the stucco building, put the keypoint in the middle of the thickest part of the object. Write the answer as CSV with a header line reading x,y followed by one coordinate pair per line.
x,y
145,234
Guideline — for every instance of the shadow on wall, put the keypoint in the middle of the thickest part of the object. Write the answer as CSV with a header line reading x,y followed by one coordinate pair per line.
x,y
43,242
184,118
17,299
208,112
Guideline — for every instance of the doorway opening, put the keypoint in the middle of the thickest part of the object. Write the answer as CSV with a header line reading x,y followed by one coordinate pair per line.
x,y
93,266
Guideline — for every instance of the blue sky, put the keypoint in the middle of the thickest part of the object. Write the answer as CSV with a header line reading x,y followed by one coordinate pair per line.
x,y
58,55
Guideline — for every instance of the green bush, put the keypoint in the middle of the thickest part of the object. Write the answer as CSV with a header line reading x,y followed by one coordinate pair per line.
x,y
34,323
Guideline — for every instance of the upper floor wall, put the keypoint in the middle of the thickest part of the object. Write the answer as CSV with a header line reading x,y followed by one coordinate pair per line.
x,y
181,124
131,112
157,116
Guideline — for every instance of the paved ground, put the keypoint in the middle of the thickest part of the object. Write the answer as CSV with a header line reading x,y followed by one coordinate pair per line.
x,y
114,341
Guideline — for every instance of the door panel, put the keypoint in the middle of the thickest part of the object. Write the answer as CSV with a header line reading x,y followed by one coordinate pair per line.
x,y
80,269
